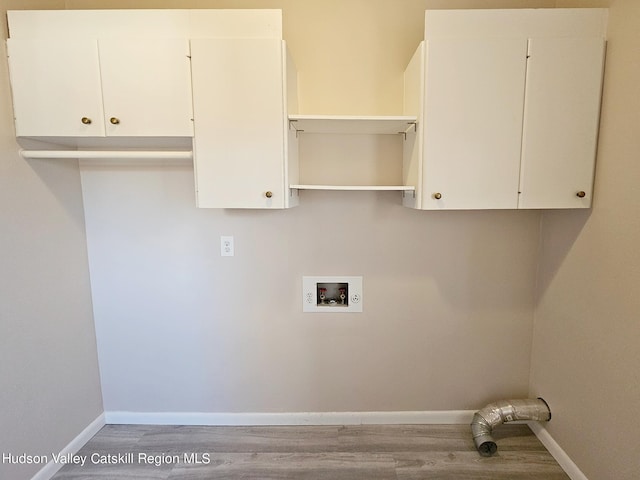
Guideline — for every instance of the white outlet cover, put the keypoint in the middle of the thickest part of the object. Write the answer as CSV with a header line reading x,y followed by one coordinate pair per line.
x,y
312,304
226,246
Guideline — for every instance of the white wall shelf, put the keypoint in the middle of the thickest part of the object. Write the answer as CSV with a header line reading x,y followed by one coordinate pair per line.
x,y
353,124
393,188
356,175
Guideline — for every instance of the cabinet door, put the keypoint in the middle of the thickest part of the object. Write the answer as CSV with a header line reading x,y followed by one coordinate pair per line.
x,y
562,108
146,87
474,91
239,123
56,87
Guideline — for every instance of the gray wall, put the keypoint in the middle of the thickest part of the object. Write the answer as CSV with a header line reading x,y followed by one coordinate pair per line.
x,y
448,300
50,386
586,350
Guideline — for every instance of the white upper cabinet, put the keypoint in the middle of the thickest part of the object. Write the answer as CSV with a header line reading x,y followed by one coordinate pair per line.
x,y
56,87
142,73
106,87
562,106
240,123
146,87
508,104
473,122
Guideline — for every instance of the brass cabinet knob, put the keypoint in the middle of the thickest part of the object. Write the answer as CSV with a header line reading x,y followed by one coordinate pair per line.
x,y
268,194
581,194
437,195
86,120
114,120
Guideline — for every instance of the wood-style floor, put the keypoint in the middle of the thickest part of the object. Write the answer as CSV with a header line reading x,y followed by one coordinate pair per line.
x,y
367,452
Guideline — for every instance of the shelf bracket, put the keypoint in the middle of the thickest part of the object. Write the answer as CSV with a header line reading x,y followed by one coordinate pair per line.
x,y
292,125
415,129
404,192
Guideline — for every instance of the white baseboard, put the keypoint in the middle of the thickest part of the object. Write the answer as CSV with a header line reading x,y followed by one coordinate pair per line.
x,y
51,468
557,452
439,417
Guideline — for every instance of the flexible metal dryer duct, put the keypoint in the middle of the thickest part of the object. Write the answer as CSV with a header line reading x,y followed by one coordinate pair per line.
x,y
494,414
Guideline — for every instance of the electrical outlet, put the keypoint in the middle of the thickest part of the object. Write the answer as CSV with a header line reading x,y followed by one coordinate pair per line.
x,y
226,246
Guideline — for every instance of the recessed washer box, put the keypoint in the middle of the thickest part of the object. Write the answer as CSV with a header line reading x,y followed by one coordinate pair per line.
x,y
332,294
